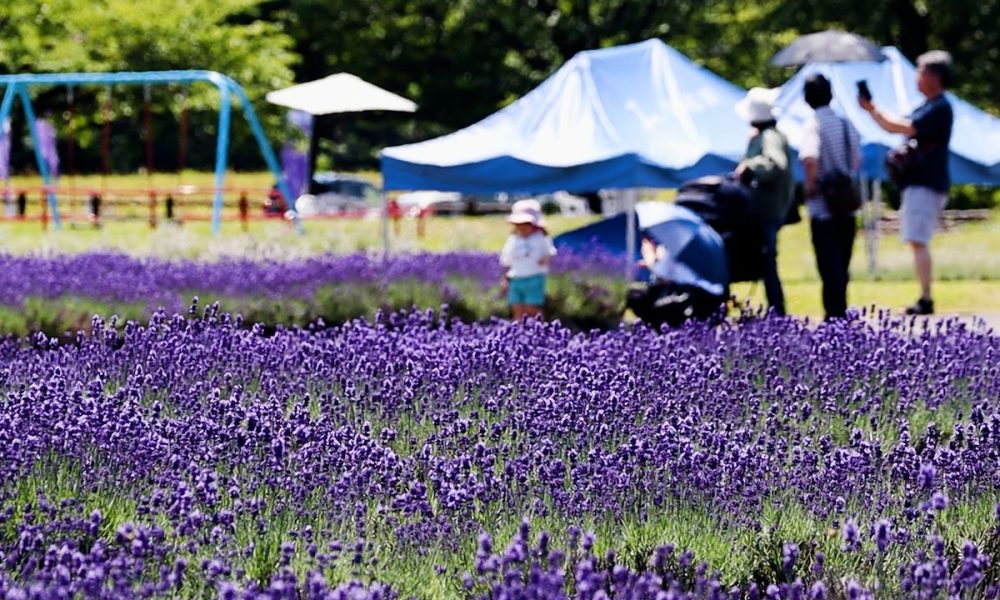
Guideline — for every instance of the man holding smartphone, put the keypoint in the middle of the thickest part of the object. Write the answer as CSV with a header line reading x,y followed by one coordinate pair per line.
x,y
925,193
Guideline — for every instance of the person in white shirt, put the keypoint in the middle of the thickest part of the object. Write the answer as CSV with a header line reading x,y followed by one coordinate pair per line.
x,y
526,256
829,144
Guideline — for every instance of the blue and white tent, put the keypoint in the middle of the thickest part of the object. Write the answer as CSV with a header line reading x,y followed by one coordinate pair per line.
x,y
975,141
640,115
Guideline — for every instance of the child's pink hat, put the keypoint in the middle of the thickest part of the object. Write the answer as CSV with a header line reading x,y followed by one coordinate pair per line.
x,y
526,211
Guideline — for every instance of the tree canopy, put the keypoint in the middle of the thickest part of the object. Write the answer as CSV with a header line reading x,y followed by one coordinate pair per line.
x,y
122,35
459,60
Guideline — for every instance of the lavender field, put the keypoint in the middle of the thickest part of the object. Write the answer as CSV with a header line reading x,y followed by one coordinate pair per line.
x,y
60,293
412,457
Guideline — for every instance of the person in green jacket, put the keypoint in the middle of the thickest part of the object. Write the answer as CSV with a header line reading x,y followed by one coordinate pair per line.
x,y
767,169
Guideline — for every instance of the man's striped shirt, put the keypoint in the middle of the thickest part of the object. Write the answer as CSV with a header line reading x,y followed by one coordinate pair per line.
x,y
824,140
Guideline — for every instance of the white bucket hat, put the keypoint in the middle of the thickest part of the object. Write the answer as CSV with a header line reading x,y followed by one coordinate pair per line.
x,y
758,105
526,211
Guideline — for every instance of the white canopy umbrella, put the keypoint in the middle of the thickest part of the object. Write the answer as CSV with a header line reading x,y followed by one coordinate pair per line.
x,y
339,93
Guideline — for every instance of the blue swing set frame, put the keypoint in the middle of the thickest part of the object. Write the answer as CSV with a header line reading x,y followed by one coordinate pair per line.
x,y
17,86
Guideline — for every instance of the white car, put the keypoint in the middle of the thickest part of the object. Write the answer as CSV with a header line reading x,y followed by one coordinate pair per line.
x,y
564,203
412,203
338,194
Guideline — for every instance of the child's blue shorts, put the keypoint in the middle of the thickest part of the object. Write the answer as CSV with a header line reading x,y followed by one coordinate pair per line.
x,y
526,290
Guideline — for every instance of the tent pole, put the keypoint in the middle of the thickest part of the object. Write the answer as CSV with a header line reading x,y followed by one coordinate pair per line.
x,y
385,225
876,201
866,220
630,227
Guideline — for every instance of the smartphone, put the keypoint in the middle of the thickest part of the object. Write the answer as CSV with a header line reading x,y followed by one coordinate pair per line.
x,y
863,90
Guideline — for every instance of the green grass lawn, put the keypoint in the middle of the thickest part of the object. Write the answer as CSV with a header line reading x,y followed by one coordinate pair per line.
x,y
966,268
967,257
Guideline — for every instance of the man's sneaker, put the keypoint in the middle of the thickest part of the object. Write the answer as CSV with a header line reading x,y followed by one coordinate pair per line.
x,y
924,306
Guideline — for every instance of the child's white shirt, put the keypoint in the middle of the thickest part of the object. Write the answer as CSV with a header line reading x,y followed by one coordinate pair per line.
x,y
524,256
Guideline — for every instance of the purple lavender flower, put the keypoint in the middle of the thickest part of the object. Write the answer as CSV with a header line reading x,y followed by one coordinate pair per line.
x,y
789,556
818,591
817,568
881,534
927,476
854,590
411,433
852,542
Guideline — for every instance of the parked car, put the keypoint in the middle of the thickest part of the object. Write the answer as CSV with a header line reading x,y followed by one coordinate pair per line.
x,y
333,193
498,204
415,203
563,203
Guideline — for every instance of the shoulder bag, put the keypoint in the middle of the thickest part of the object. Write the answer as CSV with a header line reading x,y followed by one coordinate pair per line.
x,y
902,162
837,186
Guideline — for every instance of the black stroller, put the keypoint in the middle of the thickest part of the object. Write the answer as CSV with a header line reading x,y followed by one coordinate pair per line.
x,y
689,277
672,303
724,204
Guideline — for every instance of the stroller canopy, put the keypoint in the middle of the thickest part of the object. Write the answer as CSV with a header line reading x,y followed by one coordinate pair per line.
x,y
687,239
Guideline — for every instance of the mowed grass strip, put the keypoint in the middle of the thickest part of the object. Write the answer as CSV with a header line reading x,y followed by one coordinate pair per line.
x,y
967,256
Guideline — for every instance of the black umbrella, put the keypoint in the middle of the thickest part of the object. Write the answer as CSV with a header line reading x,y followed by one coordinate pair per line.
x,y
828,46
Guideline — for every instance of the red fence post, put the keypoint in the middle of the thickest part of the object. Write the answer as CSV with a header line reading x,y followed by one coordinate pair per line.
x,y
244,211
45,212
421,216
395,213
152,210
95,210
22,204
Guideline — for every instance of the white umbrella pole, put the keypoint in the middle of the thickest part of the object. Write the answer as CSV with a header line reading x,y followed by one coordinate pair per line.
x,y
313,153
630,227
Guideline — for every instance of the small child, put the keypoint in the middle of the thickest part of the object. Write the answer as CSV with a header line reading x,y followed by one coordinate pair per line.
x,y
526,255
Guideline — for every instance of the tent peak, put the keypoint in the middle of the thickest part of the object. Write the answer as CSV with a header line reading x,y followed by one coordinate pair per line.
x,y
339,93
975,140
639,115
648,45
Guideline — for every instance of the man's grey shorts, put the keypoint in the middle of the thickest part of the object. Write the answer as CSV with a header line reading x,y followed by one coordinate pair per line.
x,y
921,213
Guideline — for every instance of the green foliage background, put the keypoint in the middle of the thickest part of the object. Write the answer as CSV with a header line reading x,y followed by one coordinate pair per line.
x,y
459,60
